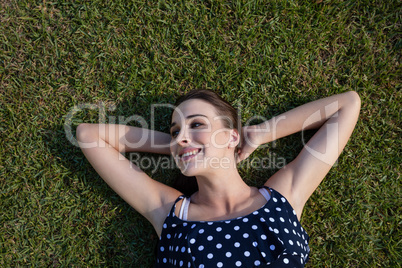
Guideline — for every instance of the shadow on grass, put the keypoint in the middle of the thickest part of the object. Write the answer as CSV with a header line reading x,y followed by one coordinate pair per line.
x,y
127,239
108,228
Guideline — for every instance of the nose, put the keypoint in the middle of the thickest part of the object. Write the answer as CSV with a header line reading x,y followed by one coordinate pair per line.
x,y
184,137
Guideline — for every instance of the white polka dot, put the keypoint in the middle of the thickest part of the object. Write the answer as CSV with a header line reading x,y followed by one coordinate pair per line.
x,y
164,226
294,224
180,235
227,236
177,248
247,253
164,260
237,244
227,221
276,231
162,249
210,256
236,228
174,225
263,237
168,236
283,199
193,226
291,242
192,241
245,235
286,230
271,220
201,248
255,212
201,266
285,261
183,249
210,223
209,238
263,254
181,263
219,245
245,220
257,263
266,210
219,264
185,224
201,231
282,219
262,219
228,254
275,200
254,227
218,229
272,247
278,209
238,263
255,244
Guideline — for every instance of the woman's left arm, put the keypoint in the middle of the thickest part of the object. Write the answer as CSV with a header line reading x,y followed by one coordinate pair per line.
x,y
335,117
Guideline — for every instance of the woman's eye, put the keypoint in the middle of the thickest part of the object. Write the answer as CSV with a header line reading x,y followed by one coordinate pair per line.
x,y
196,124
174,133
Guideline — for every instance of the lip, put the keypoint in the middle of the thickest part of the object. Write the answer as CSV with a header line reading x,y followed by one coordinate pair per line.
x,y
188,157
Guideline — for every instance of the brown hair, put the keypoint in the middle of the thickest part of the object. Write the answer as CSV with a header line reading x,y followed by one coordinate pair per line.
x,y
188,185
223,108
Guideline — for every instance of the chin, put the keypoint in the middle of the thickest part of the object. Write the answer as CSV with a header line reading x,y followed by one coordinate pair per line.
x,y
189,171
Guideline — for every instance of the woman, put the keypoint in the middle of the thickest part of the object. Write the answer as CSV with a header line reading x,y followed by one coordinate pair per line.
x,y
226,222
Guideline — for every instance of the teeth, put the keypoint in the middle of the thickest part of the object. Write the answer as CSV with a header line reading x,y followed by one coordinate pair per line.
x,y
190,153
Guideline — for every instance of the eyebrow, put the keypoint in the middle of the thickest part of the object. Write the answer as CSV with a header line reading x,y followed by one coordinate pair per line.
x,y
188,117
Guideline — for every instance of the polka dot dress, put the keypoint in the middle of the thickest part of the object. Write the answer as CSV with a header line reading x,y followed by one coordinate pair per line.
x,y
269,237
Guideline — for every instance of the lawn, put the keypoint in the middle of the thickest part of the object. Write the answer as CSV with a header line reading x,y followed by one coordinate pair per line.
x,y
67,62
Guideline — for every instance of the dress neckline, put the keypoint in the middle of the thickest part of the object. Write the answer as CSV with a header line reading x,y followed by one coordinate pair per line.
x,y
255,212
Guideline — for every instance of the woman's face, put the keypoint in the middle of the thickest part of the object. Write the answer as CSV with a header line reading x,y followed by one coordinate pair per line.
x,y
200,142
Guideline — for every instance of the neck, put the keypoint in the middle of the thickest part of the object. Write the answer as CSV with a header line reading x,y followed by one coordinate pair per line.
x,y
222,190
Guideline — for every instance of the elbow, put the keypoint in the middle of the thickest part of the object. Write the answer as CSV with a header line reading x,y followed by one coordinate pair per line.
x,y
354,100
84,133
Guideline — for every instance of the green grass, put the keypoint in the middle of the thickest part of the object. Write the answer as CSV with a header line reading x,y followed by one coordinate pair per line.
x,y
267,56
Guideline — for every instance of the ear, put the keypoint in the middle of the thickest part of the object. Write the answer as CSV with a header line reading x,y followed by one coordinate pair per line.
x,y
234,138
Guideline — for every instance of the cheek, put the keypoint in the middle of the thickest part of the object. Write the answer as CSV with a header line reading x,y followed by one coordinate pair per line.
x,y
201,137
172,147
220,138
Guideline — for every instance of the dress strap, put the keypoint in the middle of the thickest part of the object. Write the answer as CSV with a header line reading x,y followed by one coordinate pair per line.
x,y
184,208
174,205
265,193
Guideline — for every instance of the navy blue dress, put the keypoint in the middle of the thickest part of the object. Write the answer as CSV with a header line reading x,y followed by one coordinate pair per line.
x,y
271,236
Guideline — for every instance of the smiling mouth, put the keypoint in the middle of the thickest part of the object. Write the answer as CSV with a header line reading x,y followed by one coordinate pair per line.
x,y
189,155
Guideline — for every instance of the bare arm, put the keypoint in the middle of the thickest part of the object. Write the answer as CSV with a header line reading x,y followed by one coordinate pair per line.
x,y
124,138
103,144
335,117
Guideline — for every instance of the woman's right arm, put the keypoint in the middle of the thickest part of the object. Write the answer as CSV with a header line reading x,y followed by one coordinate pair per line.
x,y
103,144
